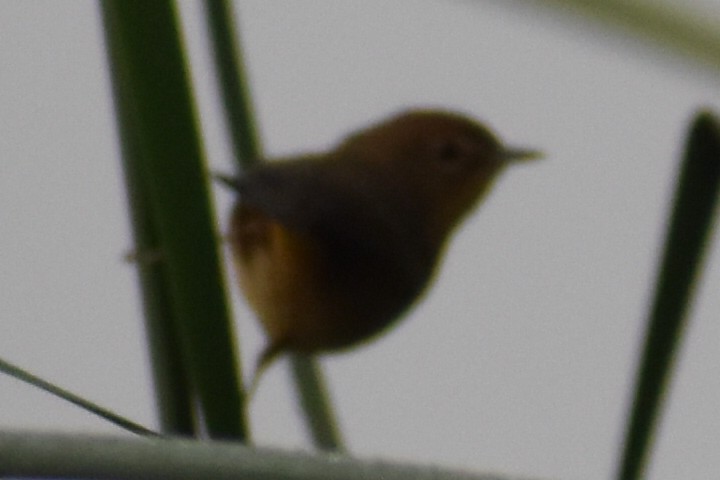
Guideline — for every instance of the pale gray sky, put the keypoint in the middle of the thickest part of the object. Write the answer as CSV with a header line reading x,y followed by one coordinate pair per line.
x,y
536,316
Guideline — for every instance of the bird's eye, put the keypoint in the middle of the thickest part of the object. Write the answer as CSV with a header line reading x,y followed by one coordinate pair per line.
x,y
449,151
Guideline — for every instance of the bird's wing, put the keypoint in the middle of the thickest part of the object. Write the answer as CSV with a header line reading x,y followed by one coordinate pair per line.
x,y
294,194
333,205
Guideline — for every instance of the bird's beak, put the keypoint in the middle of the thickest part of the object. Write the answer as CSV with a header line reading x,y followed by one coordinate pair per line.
x,y
511,154
228,180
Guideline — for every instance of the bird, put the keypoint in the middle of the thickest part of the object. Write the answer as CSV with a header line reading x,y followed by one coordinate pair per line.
x,y
331,249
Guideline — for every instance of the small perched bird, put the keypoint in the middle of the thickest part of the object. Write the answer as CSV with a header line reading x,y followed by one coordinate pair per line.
x,y
330,249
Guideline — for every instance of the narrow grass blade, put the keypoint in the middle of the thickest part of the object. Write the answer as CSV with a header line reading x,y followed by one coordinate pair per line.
x,y
164,157
315,402
695,200
173,394
673,28
240,120
59,392
234,88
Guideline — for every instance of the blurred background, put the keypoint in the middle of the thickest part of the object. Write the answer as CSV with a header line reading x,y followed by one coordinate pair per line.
x,y
522,357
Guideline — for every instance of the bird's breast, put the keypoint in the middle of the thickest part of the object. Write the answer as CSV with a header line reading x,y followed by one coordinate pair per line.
x,y
311,295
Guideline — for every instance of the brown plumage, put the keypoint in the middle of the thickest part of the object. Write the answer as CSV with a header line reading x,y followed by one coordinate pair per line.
x,y
330,249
